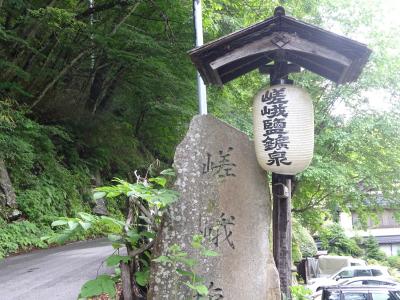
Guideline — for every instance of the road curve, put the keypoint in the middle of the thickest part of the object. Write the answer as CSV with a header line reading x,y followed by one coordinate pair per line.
x,y
53,274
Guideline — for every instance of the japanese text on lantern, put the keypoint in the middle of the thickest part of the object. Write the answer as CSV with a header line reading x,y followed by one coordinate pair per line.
x,y
274,114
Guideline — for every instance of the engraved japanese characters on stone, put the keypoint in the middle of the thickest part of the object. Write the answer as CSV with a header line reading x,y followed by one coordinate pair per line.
x,y
220,165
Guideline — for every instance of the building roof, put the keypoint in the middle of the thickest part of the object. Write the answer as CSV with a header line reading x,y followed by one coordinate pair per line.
x,y
280,37
388,239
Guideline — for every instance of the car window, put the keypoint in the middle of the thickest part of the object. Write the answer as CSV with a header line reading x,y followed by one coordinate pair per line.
x,y
360,273
355,296
330,295
377,282
346,274
357,282
376,272
396,293
380,296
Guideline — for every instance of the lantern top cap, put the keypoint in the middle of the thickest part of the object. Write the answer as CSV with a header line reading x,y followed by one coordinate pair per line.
x,y
280,37
279,11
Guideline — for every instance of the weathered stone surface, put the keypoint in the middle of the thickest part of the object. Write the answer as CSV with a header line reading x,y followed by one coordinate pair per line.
x,y
7,194
100,207
224,198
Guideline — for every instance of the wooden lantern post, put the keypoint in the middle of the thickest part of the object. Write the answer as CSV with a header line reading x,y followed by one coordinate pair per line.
x,y
278,46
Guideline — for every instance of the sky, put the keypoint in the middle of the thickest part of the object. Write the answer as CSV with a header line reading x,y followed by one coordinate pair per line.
x,y
385,19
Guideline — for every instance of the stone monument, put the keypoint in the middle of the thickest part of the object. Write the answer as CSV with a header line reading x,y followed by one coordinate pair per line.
x,y
224,198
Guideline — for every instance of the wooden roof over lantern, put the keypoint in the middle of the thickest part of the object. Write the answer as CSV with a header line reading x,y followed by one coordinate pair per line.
x,y
280,38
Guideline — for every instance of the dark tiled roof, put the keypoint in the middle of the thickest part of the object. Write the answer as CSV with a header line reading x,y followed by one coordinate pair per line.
x,y
389,239
330,55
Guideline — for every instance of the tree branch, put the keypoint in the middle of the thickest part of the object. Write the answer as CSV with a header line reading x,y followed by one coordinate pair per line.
x,y
142,249
61,74
146,212
102,7
311,204
123,20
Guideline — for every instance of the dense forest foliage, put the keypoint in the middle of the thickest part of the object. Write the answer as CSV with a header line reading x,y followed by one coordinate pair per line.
x,y
90,92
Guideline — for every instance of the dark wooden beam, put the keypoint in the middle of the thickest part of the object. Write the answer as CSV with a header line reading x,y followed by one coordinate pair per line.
x,y
282,230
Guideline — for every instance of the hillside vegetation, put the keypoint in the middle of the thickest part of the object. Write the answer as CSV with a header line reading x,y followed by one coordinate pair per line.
x,y
92,93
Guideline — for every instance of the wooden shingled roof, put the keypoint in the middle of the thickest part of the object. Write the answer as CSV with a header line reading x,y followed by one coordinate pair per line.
x,y
280,37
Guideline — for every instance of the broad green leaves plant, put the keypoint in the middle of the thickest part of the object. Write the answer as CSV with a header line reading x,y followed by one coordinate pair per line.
x,y
299,292
102,284
185,266
146,200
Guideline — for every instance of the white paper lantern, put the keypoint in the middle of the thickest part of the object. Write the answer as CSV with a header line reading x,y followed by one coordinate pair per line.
x,y
283,129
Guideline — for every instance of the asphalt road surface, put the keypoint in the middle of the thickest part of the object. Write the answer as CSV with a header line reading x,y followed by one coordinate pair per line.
x,y
53,274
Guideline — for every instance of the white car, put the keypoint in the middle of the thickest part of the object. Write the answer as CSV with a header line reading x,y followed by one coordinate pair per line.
x,y
361,281
348,273
369,280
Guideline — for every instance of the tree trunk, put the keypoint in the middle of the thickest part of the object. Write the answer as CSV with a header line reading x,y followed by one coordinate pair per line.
x,y
7,194
126,281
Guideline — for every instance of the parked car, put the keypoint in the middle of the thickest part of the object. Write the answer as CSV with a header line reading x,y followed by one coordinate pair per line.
x,y
331,264
347,273
361,293
369,281
360,282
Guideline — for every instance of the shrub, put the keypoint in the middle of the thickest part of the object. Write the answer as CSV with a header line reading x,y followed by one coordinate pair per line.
x,y
21,235
372,250
335,241
300,292
303,244
394,261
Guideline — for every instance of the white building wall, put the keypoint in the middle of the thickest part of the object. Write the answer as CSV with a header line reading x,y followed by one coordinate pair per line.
x,y
390,249
387,249
346,221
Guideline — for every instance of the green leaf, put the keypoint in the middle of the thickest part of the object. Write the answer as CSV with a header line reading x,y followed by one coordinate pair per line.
x,y
144,262
102,284
209,253
114,260
159,180
190,262
142,277
117,245
114,237
133,236
168,172
192,276
197,241
185,273
87,217
72,224
198,238
148,234
113,194
202,290
162,259
99,195
112,222
59,223
85,225
180,254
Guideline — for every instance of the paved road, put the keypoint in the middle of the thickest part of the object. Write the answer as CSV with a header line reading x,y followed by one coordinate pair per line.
x,y
52,274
